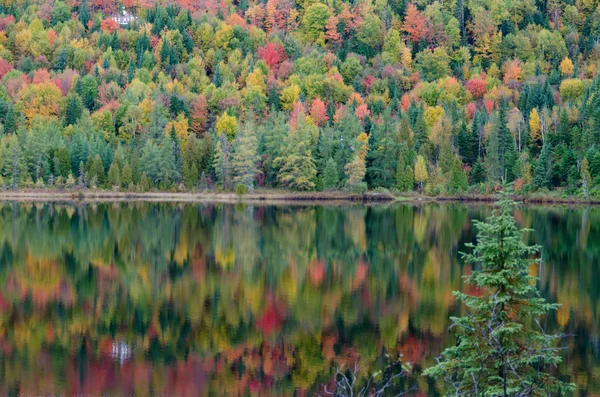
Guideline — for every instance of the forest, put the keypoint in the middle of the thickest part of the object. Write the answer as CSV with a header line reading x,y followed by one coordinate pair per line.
x,y
437,97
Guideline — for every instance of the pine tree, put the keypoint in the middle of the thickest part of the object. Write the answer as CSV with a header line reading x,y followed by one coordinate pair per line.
x,y
586,178
96,171
478,174
245,156
404,175
298,170
114,175
221,162
457,180
167,162
81,179
330,175
126,175
502,349
542,169
74,109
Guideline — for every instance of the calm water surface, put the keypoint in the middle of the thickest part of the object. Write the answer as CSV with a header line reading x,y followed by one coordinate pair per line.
x,y
172,299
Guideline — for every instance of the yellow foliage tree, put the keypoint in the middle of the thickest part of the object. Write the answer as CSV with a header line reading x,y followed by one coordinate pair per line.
x,y
227,124
181,128
256,79
535,127
289,96
421,171
566,67
433,114
40,100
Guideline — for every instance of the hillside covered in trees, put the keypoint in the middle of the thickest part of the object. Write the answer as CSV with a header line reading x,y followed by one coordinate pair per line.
x,y
441,97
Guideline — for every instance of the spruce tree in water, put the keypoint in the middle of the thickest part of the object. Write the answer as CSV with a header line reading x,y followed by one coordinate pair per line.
x,y
502,348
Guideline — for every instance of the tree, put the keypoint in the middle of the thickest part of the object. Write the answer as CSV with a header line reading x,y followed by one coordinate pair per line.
x,y
415,23
433,64
421,171
297,165
126,175
457,181
404,175
318,112
74,109
502,348
199,115
87,88
542,170
114,175
566,67
228,125
167,162
221,162
245,156
314,20
535,128
330,175
586,179
96,171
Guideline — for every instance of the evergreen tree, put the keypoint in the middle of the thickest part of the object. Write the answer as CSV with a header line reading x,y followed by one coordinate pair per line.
x,y
404,175
81,179
114,175
502,349
126,175
167,162
245,156
298,170
586,179
221,162
457,180
96,171
74,109
542,169
330,175
478,173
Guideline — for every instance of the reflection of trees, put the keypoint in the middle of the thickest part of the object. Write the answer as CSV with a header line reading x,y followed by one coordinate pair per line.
x,y
243,298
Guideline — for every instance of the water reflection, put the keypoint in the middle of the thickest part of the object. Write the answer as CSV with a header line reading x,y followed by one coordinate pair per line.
x,y
164,299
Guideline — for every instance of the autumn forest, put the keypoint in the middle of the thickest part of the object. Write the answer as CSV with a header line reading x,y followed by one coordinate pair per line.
x,y
439,97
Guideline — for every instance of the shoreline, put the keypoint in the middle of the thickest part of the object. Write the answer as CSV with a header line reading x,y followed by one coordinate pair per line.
x,y
268,197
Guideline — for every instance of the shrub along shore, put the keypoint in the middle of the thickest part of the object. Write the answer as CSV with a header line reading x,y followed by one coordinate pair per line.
x,y
272,196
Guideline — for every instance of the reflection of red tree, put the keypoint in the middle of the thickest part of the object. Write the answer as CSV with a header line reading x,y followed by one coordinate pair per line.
x,y
270,321
316,272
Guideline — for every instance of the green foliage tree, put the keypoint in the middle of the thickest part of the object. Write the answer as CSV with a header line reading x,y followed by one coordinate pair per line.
x,y
114,175
330,175
245,156
502,348
298,170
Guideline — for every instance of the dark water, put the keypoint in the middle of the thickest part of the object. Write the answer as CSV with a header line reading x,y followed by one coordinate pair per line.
x,y
163,299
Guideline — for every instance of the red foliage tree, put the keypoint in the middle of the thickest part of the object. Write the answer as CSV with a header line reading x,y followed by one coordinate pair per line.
x,y
362,111
5,67
489,105
415,23
40,76
273,54
471,108
199,115
331,30
318,112
109,25
4,22
477,87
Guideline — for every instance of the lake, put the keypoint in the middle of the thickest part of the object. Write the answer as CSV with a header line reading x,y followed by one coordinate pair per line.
x,y
146,299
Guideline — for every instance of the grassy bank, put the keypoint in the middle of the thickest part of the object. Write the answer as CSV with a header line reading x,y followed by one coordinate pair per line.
x,y
270,196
